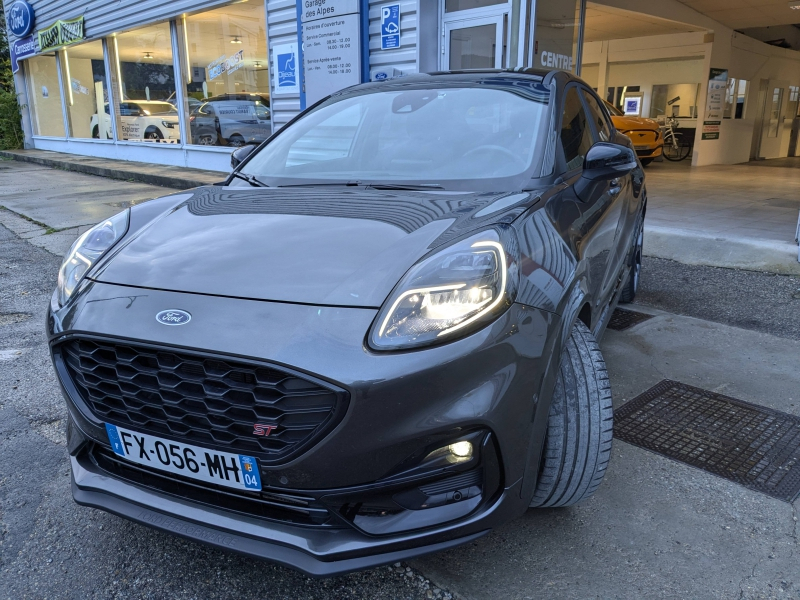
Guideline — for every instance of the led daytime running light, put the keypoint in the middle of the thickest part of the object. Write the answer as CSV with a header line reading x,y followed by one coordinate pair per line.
x,y
504,274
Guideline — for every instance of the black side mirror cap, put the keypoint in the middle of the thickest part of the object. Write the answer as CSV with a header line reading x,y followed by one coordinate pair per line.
x,y
239,155
607,161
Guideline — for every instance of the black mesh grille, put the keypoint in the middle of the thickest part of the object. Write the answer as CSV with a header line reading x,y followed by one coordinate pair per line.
x,y
204,400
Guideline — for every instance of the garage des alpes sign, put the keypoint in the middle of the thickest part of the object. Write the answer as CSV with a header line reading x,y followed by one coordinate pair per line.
x,y
61,33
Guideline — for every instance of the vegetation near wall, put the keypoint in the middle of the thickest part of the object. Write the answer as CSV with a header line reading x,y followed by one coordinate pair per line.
x,y
11,135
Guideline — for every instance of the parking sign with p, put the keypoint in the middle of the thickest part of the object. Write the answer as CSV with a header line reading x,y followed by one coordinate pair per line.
x,y
390,27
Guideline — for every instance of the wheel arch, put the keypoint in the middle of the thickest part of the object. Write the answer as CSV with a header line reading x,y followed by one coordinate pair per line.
x,y
577,308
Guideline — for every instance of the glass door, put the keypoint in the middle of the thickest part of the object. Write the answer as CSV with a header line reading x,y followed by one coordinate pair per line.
x,y
474,43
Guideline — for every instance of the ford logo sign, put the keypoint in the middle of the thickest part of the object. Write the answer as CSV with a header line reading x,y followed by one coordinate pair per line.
x,y
19,18
173,317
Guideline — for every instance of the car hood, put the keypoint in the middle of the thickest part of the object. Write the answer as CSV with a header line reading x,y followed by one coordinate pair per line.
x,y
629,123
311,245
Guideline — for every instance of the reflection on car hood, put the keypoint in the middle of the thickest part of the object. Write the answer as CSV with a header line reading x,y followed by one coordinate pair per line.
x,y
312,246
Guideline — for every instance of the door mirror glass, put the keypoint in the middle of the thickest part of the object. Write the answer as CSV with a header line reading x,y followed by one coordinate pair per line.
x,y
240,154
607,161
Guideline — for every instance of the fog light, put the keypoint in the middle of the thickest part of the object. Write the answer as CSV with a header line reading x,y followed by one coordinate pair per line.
x,y
461,450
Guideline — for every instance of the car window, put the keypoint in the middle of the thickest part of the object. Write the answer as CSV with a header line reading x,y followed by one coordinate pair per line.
x,y
262,113
207,110
576,134
599,118
454,137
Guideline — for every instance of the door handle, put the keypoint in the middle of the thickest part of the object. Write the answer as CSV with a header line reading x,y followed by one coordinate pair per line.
x,y
615,187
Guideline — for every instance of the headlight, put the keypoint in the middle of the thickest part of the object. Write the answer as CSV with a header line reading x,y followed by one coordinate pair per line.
x,y
168,124
450,293
87,250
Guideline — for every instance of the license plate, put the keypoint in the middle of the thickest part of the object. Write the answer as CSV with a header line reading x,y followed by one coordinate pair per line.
x,y
641,147
222,468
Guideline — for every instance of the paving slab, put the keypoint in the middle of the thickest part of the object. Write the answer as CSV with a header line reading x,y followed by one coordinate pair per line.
x,y
181,178
656,528
62,200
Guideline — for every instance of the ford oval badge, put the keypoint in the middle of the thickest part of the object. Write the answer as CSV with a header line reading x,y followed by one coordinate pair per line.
x,y
173,317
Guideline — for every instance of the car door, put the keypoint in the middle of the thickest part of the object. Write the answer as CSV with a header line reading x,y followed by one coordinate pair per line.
x,y
595,211
623,203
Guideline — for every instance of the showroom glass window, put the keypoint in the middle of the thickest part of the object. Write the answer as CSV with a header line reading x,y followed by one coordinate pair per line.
x,y
678,100
84,76
44,96
227,79
557,34
734,99
145,85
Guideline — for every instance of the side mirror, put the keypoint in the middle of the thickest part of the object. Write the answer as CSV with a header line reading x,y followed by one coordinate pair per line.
x,y
607,161
240,154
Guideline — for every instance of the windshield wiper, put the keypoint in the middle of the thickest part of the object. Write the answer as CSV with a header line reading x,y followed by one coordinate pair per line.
x,y
251,179
323,183
414,187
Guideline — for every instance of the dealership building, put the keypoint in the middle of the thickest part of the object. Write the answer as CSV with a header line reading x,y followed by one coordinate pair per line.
x,y
181,82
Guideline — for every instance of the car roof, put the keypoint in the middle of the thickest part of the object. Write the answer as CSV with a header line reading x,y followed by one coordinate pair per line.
x,y
475,75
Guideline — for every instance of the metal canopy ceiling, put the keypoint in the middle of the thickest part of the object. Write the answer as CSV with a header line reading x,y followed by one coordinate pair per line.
x,y
741,14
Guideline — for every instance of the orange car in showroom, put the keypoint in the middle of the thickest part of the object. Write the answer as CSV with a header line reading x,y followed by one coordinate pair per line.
x,y
645,134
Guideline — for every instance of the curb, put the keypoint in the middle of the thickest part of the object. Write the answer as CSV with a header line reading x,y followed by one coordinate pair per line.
x,y
174,180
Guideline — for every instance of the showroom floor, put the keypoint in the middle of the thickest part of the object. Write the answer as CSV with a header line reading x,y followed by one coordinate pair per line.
x,y
729,216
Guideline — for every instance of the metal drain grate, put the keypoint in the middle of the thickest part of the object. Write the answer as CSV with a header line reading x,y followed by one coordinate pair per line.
x,y
751,445
625,319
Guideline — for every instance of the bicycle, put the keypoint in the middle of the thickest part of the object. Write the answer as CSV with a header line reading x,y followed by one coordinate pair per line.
x,y
676,148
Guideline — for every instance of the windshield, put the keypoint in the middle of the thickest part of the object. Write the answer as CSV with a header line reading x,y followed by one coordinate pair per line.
x,y
462,138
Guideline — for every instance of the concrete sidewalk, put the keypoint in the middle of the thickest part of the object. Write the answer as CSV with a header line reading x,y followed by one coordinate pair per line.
x,y
180,178
656,528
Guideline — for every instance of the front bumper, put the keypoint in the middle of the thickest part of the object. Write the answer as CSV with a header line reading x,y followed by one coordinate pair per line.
x,y
318,553
654,152
400,404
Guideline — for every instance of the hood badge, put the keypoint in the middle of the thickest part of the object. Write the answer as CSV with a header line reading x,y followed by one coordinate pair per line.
x,y
173,316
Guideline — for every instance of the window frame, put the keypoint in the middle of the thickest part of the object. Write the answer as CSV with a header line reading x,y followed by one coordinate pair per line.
x,y
603,114
565,171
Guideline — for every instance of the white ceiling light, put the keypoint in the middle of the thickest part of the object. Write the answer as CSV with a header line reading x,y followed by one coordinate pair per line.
x,y
236,39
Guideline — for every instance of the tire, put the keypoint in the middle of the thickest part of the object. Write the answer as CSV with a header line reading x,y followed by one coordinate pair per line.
x,y
95,133
680,153
236,140
634,275
207,140
577,447
153,134
646,161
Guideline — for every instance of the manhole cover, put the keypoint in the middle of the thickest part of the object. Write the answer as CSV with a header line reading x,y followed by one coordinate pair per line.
x,y
625,319
751,445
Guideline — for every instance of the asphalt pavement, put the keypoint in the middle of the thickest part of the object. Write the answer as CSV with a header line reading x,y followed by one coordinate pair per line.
x,y
656,529
52,548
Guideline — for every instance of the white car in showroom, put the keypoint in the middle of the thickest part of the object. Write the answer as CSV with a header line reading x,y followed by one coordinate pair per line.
x,y
141,120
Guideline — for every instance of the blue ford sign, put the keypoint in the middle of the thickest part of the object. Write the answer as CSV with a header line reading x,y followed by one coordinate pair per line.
x,y
173,316
19,17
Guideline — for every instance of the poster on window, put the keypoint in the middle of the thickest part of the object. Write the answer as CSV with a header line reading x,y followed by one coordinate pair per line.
x,y
285,72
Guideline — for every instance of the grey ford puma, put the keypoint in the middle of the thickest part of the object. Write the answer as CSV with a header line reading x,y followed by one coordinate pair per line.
x,y
376,339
